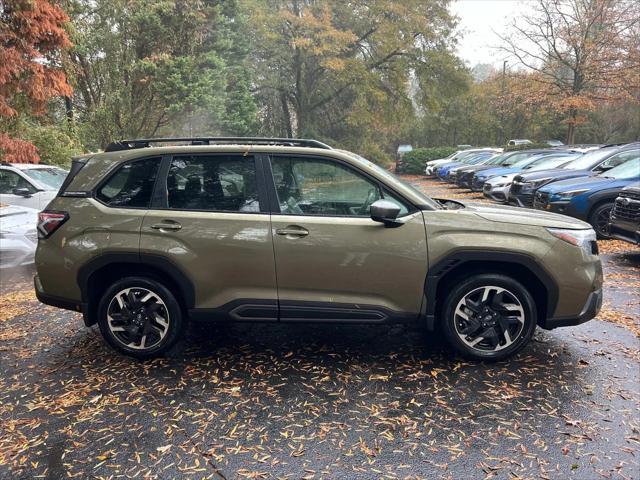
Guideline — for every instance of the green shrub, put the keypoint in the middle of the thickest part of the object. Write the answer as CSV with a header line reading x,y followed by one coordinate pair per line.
x,y
414,162
514,148
56,145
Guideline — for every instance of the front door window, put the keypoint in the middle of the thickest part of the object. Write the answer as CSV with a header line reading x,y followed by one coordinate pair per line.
x,y
307,186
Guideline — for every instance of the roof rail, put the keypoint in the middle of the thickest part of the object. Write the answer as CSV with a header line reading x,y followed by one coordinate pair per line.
x,y
145,142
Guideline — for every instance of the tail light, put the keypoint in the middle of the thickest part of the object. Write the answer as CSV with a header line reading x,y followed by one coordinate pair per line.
x,y
49,222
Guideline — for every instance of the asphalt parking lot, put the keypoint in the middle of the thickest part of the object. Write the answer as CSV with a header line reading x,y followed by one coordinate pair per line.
x,y
272,401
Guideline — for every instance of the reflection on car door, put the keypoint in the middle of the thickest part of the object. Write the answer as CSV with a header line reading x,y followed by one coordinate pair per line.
x,y
333,262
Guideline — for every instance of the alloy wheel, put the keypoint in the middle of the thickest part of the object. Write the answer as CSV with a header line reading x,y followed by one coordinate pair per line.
x,y
489,318
601,222
138,318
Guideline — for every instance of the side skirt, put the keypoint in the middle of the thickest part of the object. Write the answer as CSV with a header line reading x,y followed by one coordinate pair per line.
x,y
254,310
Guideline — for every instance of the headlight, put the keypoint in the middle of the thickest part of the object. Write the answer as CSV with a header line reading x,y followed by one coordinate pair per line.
x,y
532,185
498,185
569,194
585,239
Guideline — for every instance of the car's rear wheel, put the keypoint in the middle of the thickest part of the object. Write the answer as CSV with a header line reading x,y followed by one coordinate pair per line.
x,y
488,317
140,317
599,220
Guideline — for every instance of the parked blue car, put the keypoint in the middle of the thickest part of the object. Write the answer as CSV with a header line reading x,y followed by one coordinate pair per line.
x,y
590,198
484,175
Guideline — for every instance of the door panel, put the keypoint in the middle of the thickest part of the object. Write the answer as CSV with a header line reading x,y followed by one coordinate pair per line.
x,y
214,227
333,261
350,261
227,256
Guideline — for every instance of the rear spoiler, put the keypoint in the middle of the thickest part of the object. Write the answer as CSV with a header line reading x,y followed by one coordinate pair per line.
x,y
77,164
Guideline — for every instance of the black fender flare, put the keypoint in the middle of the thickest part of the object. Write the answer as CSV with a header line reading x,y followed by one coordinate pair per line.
x,y
156,262
459,257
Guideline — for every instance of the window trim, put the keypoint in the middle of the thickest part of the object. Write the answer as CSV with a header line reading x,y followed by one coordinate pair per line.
x,y
115,169
273,194
160,199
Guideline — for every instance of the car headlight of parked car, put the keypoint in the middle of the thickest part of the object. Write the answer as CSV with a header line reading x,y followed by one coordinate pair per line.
x,y
585,239
568,195
527,186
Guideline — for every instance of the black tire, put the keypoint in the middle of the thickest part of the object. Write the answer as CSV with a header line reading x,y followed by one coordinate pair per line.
x,y
137,325
520,323
599,220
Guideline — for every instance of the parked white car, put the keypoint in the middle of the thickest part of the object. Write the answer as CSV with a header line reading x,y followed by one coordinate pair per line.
x,y
18,235
28,185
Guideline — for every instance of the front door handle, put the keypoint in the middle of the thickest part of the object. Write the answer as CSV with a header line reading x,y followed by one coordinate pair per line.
x,y
293,230
172,226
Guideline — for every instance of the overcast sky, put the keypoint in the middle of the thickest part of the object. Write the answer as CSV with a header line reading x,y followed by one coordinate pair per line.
x,y
478,21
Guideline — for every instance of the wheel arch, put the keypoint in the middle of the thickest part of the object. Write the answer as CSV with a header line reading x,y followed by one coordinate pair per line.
x,y
463,263
95,276
601,198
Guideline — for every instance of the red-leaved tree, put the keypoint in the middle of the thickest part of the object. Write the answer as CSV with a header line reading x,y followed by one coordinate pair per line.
x,y
32,36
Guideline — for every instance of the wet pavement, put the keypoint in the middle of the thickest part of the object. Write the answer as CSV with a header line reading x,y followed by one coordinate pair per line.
x,y
301,401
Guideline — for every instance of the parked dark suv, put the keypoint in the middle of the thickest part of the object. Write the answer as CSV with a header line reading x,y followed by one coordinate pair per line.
x,y
141,239
624,223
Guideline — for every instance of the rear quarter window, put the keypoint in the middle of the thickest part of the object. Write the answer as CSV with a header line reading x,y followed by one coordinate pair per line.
x,y
131,186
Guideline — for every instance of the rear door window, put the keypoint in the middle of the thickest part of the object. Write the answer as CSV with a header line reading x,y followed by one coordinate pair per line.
x,y
221,183
131,186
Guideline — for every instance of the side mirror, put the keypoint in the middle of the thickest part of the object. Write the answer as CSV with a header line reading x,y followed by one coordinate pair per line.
x,y
386,212
22,192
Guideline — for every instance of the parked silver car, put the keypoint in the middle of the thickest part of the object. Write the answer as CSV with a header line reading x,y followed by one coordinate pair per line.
x,y
18,235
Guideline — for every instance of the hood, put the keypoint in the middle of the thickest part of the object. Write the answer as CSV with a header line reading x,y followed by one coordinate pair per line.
x,y
440,161
16,219
633,188
555,173
502,178
521,216
592,183
476,168
451,165
497,171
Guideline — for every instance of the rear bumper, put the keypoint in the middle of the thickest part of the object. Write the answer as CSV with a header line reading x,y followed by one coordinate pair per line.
x,y
59,302
589,311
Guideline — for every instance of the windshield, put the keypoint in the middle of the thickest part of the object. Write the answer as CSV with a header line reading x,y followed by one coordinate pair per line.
x,y
498,159
526,160
551,161
50,177
628,170
587,160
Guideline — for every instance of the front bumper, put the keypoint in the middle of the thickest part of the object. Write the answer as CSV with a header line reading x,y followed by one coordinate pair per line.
x,y
625,231
589,311
497,194
519,197
16,250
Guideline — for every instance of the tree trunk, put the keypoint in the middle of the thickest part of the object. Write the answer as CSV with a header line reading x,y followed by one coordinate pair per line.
x,y
68,106
287,114
571,131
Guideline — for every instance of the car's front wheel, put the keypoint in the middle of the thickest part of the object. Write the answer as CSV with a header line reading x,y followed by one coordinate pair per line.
x,y
488,317
599,220
140,317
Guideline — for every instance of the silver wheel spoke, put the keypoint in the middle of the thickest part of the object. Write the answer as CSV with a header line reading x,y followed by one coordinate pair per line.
x,y
494,323
138,318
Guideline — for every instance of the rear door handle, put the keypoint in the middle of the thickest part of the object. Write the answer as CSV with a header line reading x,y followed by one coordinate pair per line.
x,y
172,226
293,230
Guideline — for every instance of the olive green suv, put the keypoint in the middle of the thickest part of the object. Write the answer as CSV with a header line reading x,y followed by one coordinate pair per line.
x,y
141,239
